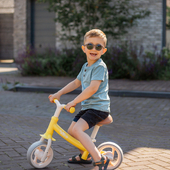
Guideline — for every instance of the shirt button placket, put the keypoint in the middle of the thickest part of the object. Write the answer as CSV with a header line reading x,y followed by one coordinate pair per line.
x,y
84,73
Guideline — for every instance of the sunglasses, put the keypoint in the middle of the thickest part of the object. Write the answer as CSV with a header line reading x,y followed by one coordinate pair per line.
x,y
90,46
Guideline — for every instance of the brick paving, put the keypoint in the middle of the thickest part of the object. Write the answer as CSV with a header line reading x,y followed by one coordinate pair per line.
x,y
141,125
140,128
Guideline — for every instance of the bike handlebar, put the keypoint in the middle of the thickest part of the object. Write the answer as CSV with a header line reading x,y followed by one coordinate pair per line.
x,y
72,109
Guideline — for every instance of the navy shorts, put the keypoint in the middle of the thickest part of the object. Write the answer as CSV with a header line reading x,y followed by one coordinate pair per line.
x,y
91,116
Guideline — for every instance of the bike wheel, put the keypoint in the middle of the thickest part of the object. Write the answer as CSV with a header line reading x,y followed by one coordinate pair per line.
x,y
35,153
113,152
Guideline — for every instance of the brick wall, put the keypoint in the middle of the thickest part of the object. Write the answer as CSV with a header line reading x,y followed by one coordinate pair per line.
x,y
146,33
149,30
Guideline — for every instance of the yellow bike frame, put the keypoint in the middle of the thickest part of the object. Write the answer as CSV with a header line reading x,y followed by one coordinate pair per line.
x,y
53,126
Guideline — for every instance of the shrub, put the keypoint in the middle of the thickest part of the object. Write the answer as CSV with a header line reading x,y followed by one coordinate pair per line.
x,y
128,61
50,63
32,63
121,61
124,61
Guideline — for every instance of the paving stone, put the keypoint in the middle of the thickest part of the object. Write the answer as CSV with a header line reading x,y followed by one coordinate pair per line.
x,y
140,130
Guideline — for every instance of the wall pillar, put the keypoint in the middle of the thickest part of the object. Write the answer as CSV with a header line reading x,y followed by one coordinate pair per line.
x,y
19,26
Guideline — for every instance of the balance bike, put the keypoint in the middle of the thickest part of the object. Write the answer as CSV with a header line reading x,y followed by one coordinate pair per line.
x,y
40,153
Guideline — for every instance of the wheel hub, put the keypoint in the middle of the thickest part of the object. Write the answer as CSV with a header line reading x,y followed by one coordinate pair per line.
x,y
39,153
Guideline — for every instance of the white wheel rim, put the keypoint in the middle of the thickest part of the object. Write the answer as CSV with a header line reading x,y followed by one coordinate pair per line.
x,y
117,158
35,160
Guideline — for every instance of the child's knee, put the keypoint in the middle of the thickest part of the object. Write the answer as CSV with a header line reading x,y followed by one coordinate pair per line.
x,y
77,131
70,131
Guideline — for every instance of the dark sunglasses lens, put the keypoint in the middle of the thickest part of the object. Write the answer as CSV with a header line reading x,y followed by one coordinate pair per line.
x,y
98,47
90,46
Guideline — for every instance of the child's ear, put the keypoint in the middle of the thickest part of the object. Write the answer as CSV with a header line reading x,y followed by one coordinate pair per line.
x,y
104,50
83,48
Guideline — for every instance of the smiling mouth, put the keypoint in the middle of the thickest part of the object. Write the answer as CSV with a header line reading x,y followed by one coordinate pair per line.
x,y
93,54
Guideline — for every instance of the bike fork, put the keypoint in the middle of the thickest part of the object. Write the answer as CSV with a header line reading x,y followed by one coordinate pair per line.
x,y
46,150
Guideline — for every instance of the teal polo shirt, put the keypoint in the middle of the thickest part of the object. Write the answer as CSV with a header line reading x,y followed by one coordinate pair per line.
x,y
98,71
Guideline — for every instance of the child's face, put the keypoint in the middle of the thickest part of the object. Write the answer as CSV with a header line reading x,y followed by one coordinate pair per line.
x,y
93,54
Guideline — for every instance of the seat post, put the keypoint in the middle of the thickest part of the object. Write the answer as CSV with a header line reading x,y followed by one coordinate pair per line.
x,y
94,133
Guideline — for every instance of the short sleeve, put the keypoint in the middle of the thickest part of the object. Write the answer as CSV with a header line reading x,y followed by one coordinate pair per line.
x,y
79,76
98,73
80,73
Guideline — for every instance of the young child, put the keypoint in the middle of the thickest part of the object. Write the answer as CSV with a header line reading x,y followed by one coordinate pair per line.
x,y
94,98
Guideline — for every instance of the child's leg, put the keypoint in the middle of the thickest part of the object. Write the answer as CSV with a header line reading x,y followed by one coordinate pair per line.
x,y
86,141
70,131
106,121
79,134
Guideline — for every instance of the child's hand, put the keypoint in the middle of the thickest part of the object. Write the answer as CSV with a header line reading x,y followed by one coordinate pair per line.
x,y
70,104
53,96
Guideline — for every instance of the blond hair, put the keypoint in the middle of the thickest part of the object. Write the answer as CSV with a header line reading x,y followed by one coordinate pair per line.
x,y
96,33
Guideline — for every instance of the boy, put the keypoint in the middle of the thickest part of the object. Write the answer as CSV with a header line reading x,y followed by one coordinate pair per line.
x,y
94,96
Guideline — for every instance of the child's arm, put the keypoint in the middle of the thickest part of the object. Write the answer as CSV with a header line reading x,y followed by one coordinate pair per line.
x,y
88,92
68,88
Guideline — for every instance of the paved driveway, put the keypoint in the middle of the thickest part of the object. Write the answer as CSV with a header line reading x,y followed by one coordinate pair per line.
x,y
141,127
